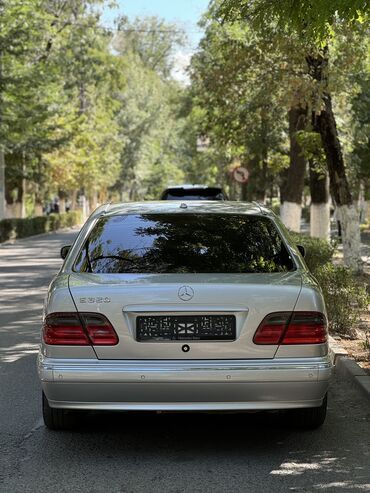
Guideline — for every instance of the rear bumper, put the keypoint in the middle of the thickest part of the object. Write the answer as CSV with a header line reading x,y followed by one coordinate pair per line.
x,y
185,385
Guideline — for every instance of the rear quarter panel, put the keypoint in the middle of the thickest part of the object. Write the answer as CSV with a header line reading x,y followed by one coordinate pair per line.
x,y
310,299
59,299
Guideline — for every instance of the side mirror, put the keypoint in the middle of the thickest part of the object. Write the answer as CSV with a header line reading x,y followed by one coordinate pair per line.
x,y
302,250
64,251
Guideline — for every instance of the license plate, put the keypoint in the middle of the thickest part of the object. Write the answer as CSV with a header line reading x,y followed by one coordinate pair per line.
x,y
185,328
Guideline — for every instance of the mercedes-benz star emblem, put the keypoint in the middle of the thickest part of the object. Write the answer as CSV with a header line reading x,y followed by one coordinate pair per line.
x,y
185,293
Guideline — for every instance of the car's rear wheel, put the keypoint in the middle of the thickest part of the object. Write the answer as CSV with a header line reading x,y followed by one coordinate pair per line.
x,y
58,419
309,418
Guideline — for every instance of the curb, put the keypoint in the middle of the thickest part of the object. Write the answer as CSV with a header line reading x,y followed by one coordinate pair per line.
x,y
348,369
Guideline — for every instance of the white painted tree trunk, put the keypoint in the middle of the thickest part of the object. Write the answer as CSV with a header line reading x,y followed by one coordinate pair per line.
x,y
320,221
290,213
38,210
62,206
15,210
349,218
85,207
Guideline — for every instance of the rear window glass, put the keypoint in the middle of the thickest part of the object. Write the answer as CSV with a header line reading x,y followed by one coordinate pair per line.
x,y
193,194
183,243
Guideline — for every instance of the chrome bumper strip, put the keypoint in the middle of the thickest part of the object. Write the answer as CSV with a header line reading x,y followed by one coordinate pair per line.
x,y
187,406
110,371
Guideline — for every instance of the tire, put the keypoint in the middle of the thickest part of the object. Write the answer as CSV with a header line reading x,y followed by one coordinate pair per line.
x,y
309,418
58,419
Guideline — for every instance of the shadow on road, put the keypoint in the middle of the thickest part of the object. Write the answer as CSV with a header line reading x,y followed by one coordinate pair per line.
x,y
212,452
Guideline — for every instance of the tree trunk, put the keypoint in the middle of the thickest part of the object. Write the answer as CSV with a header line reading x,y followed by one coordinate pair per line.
x,y
62,205
2,156
85,207
256,188
93,200
320,208
262,183
16,207
362,204
74,200
261,189
21,183
293,177
339,187
38,211
2,184
103,196
22,195
244,192
325,123
62,201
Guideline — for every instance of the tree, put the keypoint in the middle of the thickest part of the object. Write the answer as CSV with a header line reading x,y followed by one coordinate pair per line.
x,y
92,79
312,19
23,28
360,157
149,117
152,40
235,82
57,66
315,23
311,147
293,177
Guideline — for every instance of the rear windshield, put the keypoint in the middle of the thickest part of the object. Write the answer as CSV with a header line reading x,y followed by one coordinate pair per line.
x,y
183,243
193,194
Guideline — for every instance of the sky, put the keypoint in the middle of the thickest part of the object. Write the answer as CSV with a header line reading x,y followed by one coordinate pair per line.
x,y
185,13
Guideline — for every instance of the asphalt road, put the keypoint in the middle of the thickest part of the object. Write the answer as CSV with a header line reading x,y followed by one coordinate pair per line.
x,y
154,453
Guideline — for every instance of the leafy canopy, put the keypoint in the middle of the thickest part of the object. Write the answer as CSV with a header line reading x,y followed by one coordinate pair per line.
x,y
313,19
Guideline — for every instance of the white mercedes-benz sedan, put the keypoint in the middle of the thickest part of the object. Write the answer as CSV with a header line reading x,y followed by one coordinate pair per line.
x,y
184,306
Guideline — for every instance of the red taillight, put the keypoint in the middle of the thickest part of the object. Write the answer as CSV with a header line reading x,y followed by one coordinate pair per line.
x,y
64,329
85,329
99,329
292,328
306,328
272,328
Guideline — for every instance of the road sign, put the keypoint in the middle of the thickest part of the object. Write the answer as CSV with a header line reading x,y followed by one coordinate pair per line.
x,y
240,174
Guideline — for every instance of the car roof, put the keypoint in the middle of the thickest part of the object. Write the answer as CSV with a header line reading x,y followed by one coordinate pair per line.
x,y
182,206
189,186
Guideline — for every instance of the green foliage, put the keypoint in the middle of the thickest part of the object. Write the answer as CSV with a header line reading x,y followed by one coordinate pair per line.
x,y
264,265
312,149
152,40
10,229
346,297
313,19
149,120
237,92
57,113
360,157
83,110
318,252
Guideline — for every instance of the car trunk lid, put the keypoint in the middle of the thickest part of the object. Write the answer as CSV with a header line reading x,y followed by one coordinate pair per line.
x,y
244,299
